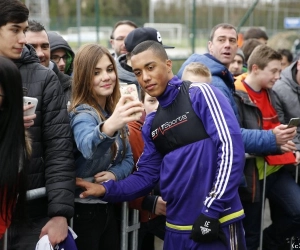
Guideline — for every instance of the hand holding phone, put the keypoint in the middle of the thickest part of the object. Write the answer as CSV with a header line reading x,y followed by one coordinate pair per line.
x,y
130,89
27,101
294,122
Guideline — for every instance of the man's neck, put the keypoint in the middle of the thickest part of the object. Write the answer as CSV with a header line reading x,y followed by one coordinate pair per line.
x,y
128,61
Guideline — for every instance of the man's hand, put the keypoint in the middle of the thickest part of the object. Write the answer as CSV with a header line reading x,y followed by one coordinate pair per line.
x,y
288,147
160,208
104,176
28,119
91,189
284,134
57,230
206,229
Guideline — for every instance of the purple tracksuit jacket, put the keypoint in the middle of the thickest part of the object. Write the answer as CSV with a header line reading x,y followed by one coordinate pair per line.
x,y
201,177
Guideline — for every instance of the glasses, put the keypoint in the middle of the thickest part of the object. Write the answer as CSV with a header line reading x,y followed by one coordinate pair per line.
x,y
56,58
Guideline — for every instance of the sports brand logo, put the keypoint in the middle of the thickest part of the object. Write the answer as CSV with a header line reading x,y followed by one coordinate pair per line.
x,y
205,229
168,125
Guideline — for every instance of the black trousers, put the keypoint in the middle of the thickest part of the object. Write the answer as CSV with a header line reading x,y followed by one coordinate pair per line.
x,y
96,227
155,227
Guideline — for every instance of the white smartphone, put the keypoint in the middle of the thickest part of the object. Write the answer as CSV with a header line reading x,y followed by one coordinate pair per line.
x,y
294,122
130,89
27,101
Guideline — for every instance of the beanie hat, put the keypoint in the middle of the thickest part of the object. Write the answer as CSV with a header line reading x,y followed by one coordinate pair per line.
x,y
241,54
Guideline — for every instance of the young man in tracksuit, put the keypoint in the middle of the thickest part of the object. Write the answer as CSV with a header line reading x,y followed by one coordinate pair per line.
x,y
193,145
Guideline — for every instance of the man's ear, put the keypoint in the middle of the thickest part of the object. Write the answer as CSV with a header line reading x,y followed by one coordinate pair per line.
x,y
298,65
209,46
169,64
111,41
254,68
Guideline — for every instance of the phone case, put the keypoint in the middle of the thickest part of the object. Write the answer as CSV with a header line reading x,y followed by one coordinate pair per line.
x,y
294,122
130,89
27,101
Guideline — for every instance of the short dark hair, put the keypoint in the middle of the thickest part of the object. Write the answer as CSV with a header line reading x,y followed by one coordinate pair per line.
x,y
35,26
287,53
154,46
122,22
13,11
256,33
248,46
221,25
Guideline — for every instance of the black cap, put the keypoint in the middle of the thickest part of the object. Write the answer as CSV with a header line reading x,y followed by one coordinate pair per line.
x,y
139,35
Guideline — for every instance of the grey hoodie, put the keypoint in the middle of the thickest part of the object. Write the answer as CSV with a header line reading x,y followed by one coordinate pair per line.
x,y
287,98
124,75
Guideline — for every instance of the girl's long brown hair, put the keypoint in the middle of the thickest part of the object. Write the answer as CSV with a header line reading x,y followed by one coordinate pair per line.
x,y
85,62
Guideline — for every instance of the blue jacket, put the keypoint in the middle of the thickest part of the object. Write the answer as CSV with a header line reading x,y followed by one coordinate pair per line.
x,y
201,177
94,153
255,141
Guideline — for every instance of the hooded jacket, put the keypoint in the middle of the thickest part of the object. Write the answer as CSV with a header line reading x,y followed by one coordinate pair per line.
x,y
58,42
65,81
125,75
287,98
52,162
255,141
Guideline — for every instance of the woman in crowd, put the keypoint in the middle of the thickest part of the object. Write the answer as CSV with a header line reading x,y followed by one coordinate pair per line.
x,y
98,120
14,148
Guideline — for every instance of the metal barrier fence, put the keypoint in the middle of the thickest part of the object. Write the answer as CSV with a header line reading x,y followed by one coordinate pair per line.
x,y
128,215
264,203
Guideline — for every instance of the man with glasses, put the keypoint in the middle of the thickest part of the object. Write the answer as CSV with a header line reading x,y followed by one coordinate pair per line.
x,y
61,52
37,36
118,35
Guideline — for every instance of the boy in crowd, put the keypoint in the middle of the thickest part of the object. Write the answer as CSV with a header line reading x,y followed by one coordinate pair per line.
x,y
287,58
196,72
236,66
256,111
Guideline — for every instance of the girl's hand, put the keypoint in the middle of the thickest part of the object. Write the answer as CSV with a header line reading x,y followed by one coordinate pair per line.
x,y
125,112
104,176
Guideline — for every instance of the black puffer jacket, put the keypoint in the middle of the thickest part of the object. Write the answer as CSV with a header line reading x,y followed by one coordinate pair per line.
x,y
52,162
65,81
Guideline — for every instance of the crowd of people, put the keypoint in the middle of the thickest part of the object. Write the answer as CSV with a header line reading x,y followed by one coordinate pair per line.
x,y
195,151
